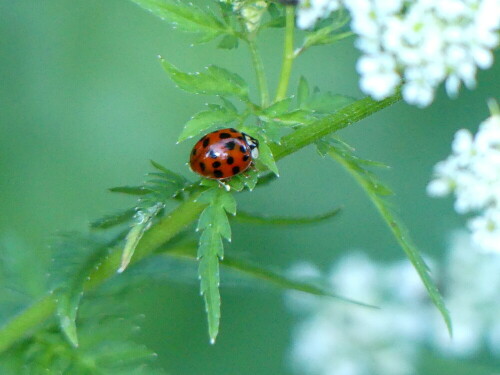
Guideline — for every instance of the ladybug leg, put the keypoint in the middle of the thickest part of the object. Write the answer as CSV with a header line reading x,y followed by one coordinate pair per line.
x,y
224,185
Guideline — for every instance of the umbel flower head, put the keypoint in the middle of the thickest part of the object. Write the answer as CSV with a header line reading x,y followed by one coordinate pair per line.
x,y
472,174
418,44
336,338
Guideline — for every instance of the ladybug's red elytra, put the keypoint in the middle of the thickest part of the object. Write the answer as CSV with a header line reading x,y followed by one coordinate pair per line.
x,y
223,154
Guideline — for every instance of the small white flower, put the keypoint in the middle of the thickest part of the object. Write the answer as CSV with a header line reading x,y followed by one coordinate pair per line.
x,y
340,339
440,41
472,173
310,11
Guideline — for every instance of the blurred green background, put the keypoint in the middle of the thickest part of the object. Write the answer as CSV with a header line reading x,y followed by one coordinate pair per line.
x,y
85,105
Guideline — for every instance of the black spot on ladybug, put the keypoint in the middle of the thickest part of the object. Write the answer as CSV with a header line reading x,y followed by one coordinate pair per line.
x,y
246,157
224,135
230,160
243,149
230,145
202,166
218,173
212,154
216,164
194,151
241,138
236,170
206,142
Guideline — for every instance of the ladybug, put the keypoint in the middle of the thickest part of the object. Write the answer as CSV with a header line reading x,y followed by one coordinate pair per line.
x,y
223,154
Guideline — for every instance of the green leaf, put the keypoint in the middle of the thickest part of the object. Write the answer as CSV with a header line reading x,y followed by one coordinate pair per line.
x,y
144,220
215,224
213,81
250,178
283,281
209,251
227,202
369,184
278,108
75,259
130,190
327,102
110,221
202,121
221,223
266,157
324,36
258,272
228,42
168,175
186,17
303,92
245,217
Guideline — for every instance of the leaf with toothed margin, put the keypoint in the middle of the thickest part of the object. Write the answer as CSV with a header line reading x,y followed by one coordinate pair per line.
x,y
209,251
213,81
228,202
110,221
144,220
75,258
187,17
319,103
215,225
250,178
266,157
168,175
202,121
376,194
236,183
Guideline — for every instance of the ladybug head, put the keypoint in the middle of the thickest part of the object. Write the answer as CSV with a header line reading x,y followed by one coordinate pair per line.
x,y
253,144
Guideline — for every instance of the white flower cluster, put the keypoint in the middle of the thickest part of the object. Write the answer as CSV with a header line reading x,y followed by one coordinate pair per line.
x,y
342,339
472,173
418,43
309,11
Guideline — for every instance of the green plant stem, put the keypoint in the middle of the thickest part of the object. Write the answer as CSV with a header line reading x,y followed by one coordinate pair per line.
x,y
288,54
259,71
21,324
330,124
163,231
185,214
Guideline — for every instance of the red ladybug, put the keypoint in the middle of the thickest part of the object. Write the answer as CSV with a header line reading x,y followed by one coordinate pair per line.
x,y
223,154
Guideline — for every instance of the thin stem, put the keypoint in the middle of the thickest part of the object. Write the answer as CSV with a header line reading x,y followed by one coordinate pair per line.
x,y
288,54
259,71
185,214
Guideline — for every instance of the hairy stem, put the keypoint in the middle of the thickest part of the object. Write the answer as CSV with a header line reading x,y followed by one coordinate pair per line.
x,y
185,214
259,71
288,54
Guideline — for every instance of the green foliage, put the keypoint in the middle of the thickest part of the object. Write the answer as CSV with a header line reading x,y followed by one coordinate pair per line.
x,y
244,217
83,262
105,342
214,223
187,17
319,103
213,81
163,186
143,220
327,32
75,258
204,121
376,191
